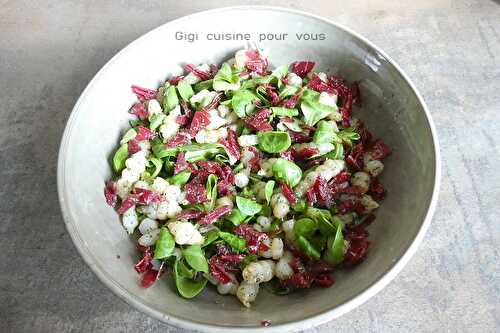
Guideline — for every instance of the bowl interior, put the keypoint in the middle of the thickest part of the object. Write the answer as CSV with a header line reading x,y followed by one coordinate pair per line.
x,y
390,109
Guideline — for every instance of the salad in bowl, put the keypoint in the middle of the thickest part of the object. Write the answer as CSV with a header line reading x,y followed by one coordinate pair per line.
x,y
244,177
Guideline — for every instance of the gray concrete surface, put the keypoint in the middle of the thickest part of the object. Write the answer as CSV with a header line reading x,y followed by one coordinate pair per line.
x,y
49,50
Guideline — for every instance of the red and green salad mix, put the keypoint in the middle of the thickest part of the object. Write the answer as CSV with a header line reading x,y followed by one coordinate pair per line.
x,y
244,176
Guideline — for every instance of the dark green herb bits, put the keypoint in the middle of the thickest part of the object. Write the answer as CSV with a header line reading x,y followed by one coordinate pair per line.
x,y
165,244
274,141
248,207
187,288
119,158
286,171
195,258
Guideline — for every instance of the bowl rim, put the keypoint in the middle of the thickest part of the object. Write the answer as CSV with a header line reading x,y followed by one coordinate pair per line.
x,y
312,321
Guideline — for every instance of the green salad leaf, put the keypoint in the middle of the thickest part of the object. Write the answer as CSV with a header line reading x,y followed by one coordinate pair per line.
x,y
287,171
325,132
136,122
129,135
335,247
169,166
292,126
156,120
263,79
313,110
349,135
288,91
242,102
211,237
247,206
300,206
195,258
225,79
187,288
318,241
261,93
220,158
274,141
165,244
236,243
120,157
236,217
211,189
238,167
201,152
280,72
247,260
305,227
308,248
157,164
280,111
184,270
170,99
181,178
337,153
160,151
248,84
325,226
185,90
268,190
203,85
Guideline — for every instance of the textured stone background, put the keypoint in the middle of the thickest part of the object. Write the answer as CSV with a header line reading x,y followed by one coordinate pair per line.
x,y
49,50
